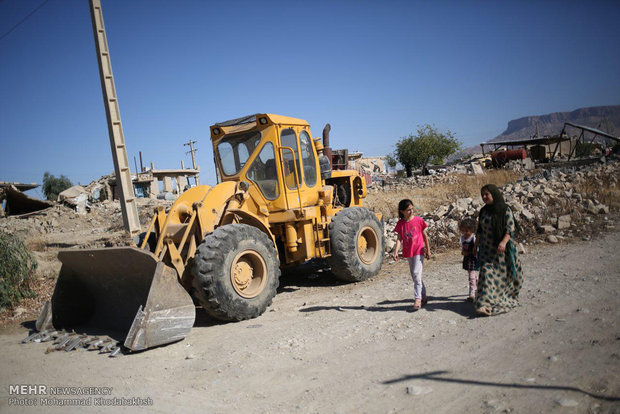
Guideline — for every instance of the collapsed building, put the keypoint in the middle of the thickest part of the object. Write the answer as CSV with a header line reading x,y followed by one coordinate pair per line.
x,y
151,183
164,184
16,202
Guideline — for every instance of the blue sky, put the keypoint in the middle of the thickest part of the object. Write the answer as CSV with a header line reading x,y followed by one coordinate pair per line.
x,y
375,70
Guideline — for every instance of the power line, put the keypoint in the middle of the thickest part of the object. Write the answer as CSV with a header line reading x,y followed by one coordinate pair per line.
x,y
23,20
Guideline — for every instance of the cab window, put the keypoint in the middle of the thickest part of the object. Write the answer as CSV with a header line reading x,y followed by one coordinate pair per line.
x,y
235,150
307,158
263,172
288,138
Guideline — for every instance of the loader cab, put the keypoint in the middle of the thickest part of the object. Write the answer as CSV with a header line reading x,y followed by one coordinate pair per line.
x,y
274,154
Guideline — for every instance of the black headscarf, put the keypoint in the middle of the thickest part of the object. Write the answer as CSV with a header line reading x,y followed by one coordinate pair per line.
x,y
497,211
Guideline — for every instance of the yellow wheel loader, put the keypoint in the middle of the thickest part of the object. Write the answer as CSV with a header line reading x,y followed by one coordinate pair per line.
x,y
278,203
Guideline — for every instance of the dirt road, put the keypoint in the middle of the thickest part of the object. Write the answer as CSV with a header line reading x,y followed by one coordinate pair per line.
x,y
325,347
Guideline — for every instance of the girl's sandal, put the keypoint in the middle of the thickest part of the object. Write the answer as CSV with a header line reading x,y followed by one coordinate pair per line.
x,y
484,311
417,304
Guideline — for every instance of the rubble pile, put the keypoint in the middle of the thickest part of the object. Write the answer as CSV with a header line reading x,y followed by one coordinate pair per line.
x,y
389,184
443,175
99,190
67,225
550,205
81,199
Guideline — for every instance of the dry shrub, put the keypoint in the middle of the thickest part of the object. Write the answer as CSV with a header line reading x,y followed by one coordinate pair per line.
x,y
427,199
17,271
602,188
470,185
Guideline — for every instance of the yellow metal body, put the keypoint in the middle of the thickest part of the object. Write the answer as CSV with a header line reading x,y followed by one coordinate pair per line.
x,y
270,179
293,206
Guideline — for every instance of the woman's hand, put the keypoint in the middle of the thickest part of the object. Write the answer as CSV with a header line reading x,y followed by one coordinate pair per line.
x,y
427,254
395,256
502,244
502,247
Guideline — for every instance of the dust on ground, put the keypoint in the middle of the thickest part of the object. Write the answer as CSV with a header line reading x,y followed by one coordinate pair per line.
x,y
329,347
325,346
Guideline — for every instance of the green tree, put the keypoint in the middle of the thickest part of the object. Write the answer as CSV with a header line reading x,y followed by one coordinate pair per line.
x,y
53,186
427,146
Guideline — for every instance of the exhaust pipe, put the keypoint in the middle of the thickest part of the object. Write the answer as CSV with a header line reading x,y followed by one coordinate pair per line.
x,y
327,151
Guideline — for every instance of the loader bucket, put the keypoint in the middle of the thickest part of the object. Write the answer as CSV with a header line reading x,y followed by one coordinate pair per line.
x,y
122,292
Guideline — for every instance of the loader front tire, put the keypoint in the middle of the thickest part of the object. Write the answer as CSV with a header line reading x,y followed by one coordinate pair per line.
x,y
357,244
236,272
151,243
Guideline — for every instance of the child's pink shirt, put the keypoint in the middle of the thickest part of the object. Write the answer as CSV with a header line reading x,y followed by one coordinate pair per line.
x,y
411,234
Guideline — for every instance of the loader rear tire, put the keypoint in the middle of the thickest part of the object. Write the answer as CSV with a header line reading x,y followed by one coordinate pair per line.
x,y
236,272
357,244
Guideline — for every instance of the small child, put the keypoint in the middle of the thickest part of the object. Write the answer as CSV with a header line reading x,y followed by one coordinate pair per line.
x,y
470,263
411,232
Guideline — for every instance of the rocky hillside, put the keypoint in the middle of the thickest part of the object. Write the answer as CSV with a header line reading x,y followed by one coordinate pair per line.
x,y
605,118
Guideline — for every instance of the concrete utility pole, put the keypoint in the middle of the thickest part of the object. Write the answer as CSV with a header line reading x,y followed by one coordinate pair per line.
x,y
115,129
190,144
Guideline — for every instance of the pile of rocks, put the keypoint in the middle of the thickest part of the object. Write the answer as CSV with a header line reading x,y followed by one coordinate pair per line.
x,y
102,218
390,184
550,205
443,175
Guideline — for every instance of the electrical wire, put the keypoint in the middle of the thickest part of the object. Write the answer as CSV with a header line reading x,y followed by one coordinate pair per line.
x,y
23,20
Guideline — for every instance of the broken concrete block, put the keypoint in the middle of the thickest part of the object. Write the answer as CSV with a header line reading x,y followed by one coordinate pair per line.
x,y
545,229
549,191
75,197
602,209
477,169
71,193
441,211
463,203
591,207
515,206
551,239
563,222
527,215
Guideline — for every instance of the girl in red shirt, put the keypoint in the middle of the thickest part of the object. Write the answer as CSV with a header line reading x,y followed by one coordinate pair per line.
x,y
412,235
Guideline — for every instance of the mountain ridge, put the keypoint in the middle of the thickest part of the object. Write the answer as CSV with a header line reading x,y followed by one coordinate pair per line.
x,y
605,118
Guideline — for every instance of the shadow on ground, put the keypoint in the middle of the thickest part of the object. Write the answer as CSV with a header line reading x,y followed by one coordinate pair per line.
x,y
454,304
203,319
437,376
314,273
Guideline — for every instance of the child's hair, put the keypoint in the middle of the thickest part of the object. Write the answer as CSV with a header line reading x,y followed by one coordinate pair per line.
x,y
467,224
403,205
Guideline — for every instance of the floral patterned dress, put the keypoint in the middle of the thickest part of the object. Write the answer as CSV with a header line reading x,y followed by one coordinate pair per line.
x,y
500,276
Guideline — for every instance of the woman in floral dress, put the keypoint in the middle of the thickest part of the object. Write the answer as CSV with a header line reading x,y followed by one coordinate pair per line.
x,y
500,277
